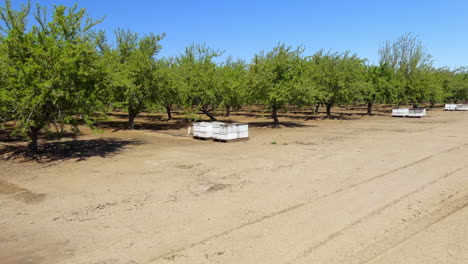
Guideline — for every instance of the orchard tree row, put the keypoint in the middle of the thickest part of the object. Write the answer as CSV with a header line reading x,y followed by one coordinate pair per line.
x,y
58,70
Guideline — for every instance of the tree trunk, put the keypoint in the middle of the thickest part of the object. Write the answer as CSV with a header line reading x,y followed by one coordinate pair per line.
x,y
274,115
207,113
432,104
369,108
415,105
317,108
168,111
329,106
228,111
131,119
32,134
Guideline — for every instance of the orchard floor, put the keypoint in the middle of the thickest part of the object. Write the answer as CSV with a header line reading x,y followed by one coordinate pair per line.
x,y
356,190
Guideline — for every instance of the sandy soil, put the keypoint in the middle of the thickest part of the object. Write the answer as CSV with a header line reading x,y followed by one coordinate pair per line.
x,y
366,190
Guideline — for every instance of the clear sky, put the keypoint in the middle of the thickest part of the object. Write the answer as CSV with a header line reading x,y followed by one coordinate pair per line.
x,y
243,28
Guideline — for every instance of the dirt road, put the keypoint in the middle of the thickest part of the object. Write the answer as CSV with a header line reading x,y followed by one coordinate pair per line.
x,y
373,190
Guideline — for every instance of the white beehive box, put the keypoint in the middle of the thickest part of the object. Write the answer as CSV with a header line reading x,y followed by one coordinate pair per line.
x,y
242,131
417,112
450,107
227,131
216,126
400,112
231,131
462,107
203,130
216,129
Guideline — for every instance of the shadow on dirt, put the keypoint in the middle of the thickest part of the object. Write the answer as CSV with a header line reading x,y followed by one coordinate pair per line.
x,y
310,116
7,135
72,149
123,125
281,124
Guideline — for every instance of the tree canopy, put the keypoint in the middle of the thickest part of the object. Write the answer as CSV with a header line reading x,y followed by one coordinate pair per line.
x,y
337,75
274,76
132,66
52,69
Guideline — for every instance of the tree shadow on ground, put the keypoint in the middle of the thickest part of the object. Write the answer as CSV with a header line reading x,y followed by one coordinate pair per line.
x,y
374,113
345,116
7,135
336,116
66,150
281,124
145,115
311,116
298,117
148,116
123,125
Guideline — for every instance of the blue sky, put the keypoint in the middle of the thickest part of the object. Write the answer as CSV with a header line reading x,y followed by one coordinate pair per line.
x,y
243,28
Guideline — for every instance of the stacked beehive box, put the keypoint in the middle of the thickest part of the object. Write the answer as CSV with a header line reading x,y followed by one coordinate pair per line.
x,y
450,107
406,112
417,112
400,112
462,107
203,130
221,131
231,131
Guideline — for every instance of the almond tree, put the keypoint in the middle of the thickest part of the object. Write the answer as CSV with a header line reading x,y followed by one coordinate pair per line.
x,y
133,67
168,83
455,85
274,78
336,75
377,86
4,93
409,60
232,81
52,68
199,74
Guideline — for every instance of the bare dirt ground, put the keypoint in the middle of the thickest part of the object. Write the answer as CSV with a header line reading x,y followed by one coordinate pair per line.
x,y
364,190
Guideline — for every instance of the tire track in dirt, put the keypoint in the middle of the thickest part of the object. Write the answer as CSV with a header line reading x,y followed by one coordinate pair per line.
x,y
299,205
373,213
420,226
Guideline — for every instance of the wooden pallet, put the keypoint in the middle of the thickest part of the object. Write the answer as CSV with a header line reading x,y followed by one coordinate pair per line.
x,y
409,116
202,138
230,140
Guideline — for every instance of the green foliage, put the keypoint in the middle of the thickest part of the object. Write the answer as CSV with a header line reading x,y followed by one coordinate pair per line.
x,y
336,75
455,84
4,92
199,74
50,69
377,85
410,61
168,82
232,81
275,76
131,66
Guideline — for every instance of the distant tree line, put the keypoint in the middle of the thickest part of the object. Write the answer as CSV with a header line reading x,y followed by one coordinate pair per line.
x,y
57,70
